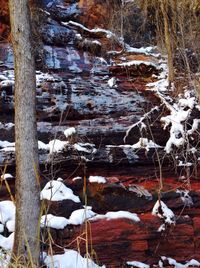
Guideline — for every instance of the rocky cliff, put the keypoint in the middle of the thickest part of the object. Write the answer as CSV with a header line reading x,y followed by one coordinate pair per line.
x,y
109,126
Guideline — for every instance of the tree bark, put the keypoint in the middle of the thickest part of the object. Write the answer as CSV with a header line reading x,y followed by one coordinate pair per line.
x,y
168,42
26,243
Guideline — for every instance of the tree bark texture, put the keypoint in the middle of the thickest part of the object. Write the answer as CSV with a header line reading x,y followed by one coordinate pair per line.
x,y
26,244
168,42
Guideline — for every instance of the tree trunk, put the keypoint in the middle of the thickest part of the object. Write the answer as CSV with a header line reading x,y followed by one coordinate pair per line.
x,y
168,42
26,244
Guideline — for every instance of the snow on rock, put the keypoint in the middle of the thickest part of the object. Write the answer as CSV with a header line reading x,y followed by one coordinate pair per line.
x,y
161,210
140,123
137,62
6,176
80,215
70,259
43,146
10,225
6,126
97,179
4,258
7,242
109,34
52,221
161,85
185,197
1,228
112,82
10,146
143,50
55,190
117,215
145,143
56,146
7,211
122,214
137,264
7,144
85,147
69,132
77,178
179,265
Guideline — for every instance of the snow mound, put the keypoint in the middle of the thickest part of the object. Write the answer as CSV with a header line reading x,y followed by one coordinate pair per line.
x,y
137,264
80,215
7,211
69,132
117,215
52,221
161,210
97,179
55,190
7,242
70,259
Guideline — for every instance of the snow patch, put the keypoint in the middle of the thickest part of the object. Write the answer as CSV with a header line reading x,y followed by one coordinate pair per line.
x,y
98,179
70,259
80,215
55,190
138,264
52,221
69,132
7,242
161,210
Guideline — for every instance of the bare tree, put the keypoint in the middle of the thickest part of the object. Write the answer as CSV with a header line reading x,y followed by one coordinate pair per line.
x,y
26,244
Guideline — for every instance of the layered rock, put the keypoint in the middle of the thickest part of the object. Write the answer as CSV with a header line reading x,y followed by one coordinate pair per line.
x,y
100,86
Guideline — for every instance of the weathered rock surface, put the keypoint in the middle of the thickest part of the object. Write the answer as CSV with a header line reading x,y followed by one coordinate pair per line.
x,y
78,92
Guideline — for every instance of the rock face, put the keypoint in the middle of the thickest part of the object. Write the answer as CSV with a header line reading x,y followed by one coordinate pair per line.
x,y
93,82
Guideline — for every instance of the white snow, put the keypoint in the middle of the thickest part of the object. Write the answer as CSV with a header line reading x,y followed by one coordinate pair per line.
x,y
98,179
7,242
55,190
4,258
194,126
85,147
184,164
7,211
56,145
127,1
140,122
112,82
10,224
117,215
146,144
179,265
80,215
137,62
77,178
6,176
1,228
138,264
5,144
143,50
43,146
69,132
52,221
7,83
6,126
122,214
109,34
70,259
185,197
166,213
